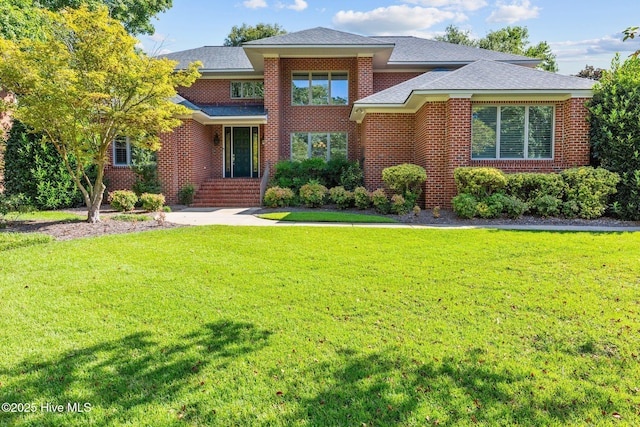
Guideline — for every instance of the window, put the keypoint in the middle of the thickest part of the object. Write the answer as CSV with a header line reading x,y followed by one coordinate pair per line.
x,y
121,151
247,90
512,132
320,88
324,145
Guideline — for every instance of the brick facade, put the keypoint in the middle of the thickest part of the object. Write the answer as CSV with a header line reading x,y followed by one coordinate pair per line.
x,y
437,136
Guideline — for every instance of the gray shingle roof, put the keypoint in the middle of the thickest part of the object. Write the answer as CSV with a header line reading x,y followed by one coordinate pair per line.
x,y
217,58
318,36
416,50
481,75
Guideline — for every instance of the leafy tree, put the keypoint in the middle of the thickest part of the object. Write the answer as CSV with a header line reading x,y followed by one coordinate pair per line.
x,y
84,84
245,33
508,40
631,33
21,18
37,173
455,35
590,72
615,131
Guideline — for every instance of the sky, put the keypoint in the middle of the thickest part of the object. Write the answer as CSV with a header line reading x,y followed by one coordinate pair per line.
x,y
579,32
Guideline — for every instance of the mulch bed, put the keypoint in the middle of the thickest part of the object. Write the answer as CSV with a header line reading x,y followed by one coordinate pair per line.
x,y
68,230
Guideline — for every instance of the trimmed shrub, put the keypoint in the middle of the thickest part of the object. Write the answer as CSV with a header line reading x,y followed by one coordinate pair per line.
x,y
361,198
342,198
380,201
123,200
152,202
513,207
186,193
332,171
399,205
588,191
145,167
465,205
530,186
352,176
313,194
405,179
479,182
277,197
546,206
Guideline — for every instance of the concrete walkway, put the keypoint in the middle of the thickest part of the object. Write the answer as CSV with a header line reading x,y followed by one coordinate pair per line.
x,y
245,216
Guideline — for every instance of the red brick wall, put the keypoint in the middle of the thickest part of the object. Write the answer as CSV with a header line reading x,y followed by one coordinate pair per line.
x,y
118,177
272,100
430,150
210,91
5,126
322,118
389,142
382,81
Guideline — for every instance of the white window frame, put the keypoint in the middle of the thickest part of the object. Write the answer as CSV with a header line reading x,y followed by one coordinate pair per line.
x,y
310,88
526,131
128,148
242,82
309,150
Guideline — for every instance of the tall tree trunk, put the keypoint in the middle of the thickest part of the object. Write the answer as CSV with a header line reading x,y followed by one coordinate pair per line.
x,y
94,202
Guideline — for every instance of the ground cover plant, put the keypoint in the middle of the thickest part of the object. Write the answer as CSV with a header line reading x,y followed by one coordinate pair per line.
x,y
324,326
326,217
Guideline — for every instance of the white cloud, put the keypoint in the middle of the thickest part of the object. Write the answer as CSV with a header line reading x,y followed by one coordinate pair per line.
x,y
402,19
298,5
158,38
254,4
467,5
517,10
573,55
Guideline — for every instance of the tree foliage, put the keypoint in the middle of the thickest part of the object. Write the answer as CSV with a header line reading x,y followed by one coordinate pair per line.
x,y
83,84
590,72
36,172
21,18
508,40
615,131
245,33
631,33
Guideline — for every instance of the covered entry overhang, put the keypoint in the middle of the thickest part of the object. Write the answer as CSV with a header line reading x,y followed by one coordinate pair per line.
x,y
230,114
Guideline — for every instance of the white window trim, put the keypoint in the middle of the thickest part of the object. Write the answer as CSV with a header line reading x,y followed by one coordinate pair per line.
x,y
241,89
526,132
310,90
328,156
128,148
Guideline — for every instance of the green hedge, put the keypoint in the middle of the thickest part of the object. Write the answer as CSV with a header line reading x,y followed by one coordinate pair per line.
x,y
582,192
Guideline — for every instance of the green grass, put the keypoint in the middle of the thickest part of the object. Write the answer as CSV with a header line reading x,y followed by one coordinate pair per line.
x,y
131,217
307,326
19,240
326,217
46,216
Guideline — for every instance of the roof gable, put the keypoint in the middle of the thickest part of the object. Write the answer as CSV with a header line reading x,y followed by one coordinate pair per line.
x,y
318,36
412,50
218,58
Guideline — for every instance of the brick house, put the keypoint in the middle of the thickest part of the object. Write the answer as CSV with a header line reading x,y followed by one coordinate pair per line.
x,y
381,100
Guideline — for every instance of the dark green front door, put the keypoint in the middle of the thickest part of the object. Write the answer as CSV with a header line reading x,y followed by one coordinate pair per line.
x,y
241,152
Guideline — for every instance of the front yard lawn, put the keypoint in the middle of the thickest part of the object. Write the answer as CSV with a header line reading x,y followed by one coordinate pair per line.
x,y
327,217
313,326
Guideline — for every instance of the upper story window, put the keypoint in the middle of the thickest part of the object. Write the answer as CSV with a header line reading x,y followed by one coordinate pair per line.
x,y
306,145
320,88
512,132
121,151
247,90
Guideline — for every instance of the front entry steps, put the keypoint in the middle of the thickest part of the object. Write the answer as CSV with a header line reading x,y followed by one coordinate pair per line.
x,y
228,192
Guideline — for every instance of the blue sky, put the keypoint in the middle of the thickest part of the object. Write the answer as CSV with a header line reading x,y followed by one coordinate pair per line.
x,y
580,32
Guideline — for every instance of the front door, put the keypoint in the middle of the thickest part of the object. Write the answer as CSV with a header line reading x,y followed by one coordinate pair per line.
x,y
241,152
